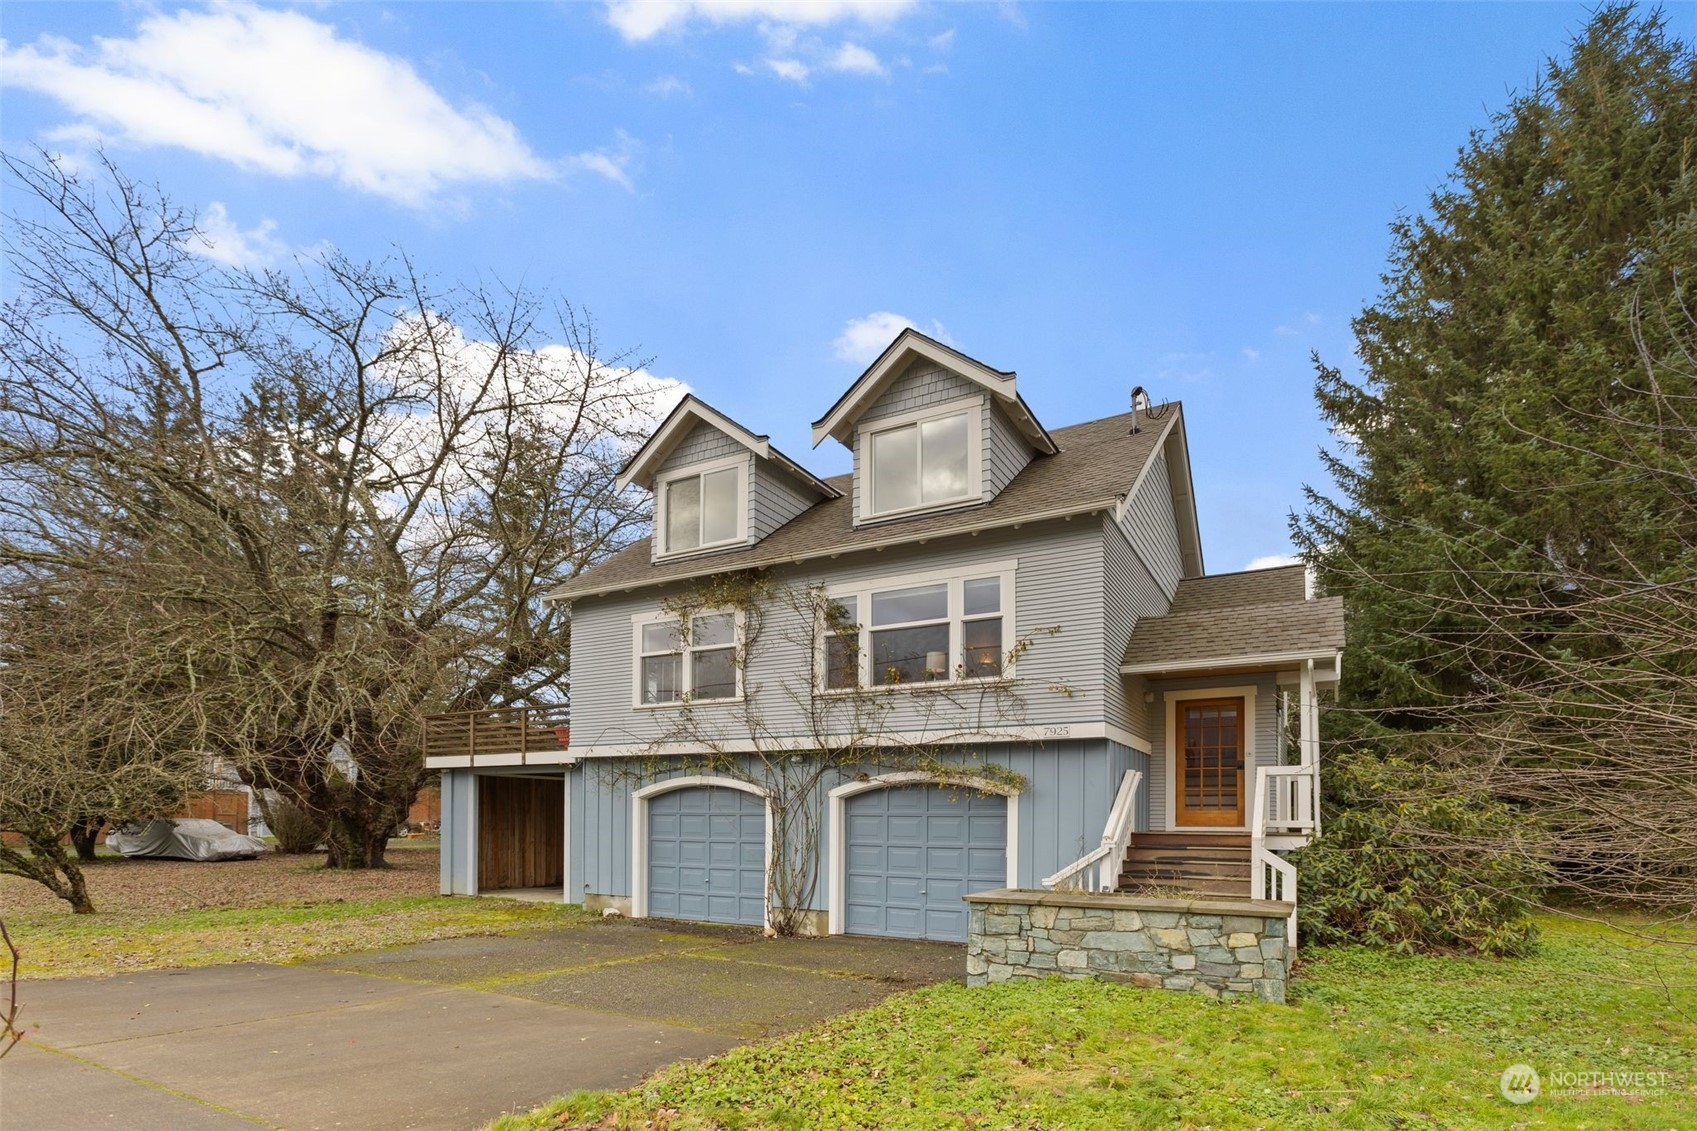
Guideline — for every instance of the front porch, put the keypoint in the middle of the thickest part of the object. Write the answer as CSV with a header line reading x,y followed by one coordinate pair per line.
x,y
1229,677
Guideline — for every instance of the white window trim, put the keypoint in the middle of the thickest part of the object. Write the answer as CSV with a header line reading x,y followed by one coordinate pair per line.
x,y
974,409
1007,571
1172,699
836,913
744,464
638,620
639,833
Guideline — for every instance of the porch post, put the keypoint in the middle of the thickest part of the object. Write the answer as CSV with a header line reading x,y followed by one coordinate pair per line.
x,y
1310,741
1310,717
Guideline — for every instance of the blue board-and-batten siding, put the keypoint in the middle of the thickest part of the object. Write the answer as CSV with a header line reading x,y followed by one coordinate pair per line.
x,y
1071,785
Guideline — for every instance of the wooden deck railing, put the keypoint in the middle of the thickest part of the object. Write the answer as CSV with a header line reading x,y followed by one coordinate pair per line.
x,y
499,730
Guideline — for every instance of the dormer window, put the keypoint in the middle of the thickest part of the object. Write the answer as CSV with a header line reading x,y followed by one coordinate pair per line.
x,y
923,460
703,507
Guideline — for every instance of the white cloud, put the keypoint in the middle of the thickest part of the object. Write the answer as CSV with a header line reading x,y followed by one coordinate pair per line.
x,y
667,85
1179,366
277,92
1250,353
943,40
863,339
1273,561
615,163
791,70
223,241
853,59
639,20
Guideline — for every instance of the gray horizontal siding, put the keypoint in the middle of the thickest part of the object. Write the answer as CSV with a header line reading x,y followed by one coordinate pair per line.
x,y
1129,593
1058,585
1151,529
1071,786
704,443
774,498
1005,451
1263,743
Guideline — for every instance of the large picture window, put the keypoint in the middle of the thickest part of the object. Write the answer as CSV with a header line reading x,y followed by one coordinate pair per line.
x,y
937,631
669,667
922,462
702,509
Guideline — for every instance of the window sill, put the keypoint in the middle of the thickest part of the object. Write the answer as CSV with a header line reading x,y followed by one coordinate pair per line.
x,y
741,543
933,687
965,502
681,703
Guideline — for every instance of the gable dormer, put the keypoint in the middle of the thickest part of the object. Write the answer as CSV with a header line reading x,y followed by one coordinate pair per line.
x,y
717,486
931,430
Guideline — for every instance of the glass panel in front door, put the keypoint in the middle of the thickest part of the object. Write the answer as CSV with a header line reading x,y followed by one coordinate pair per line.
x,y
1211,787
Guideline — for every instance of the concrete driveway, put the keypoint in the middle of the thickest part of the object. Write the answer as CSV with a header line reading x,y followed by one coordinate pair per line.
x,y
439,1035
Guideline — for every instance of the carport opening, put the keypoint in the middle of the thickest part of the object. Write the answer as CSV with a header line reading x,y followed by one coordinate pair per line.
x,y
521,823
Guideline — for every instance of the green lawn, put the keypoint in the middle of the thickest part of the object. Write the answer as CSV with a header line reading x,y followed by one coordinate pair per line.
x,y
153,914
62,945
1371,1041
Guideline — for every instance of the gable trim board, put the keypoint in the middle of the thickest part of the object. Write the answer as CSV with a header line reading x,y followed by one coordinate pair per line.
x,y
1173,745
837,834
639,800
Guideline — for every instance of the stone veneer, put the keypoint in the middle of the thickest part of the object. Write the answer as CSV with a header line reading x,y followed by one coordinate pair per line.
x,y
1225,948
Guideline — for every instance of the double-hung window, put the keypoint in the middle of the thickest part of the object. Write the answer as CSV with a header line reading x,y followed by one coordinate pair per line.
x,y
934,630
921,461
674,665
702,508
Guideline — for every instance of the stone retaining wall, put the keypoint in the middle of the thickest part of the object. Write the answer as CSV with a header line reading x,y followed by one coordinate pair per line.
x,y
1225,948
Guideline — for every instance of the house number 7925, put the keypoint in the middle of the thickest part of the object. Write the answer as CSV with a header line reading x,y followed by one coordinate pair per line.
x,y
1057,732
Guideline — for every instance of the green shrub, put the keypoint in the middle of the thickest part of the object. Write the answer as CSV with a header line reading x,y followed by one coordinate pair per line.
x,y
297,830
1414,859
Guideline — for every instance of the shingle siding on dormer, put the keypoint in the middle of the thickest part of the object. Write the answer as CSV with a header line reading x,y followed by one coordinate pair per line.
x,y
704,443
1151,529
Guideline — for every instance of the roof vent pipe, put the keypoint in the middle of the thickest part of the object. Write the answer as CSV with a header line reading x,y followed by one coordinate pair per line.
x,y
1139,403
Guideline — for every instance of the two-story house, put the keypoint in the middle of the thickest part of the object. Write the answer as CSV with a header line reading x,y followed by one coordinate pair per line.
x,y
979,592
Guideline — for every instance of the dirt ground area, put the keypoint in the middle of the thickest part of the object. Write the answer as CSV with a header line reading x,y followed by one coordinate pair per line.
x,y
163,886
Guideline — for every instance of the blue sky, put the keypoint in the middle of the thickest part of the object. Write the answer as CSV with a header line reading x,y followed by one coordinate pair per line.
x,y
757,193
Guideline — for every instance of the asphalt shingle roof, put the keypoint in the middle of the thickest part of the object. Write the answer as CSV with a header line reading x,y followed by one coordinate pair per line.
x,y
1098,460
1235,616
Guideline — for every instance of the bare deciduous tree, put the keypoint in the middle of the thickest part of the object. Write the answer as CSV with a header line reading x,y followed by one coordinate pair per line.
x,y
353,483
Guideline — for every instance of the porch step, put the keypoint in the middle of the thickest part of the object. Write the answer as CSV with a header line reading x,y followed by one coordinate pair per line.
x,y
1209,864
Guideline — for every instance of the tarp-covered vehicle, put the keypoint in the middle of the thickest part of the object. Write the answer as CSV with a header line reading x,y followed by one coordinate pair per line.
x,y
185,839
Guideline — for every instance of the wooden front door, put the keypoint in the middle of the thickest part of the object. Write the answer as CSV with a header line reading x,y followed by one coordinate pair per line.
x,y
1211,762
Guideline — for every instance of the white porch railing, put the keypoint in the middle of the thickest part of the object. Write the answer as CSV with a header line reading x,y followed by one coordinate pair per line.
x,y
1099,870
1287,802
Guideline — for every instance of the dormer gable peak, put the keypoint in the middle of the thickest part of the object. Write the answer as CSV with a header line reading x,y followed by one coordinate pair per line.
x,y
839,422
646,461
